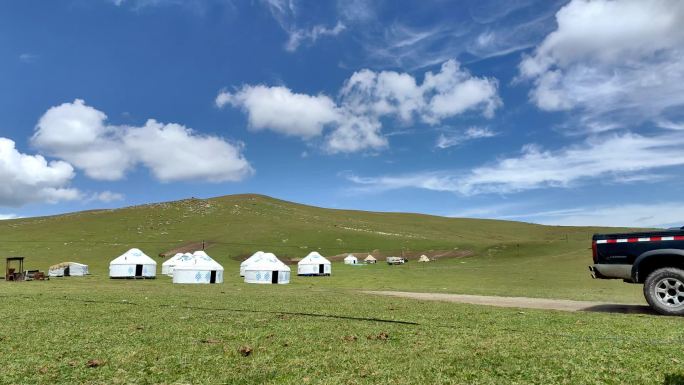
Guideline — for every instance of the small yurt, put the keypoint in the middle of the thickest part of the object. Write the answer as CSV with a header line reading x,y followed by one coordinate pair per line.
x,y
351,260
268,269
370,259
423,258
167,266
197,268
133,264
314,264
249,260
68,269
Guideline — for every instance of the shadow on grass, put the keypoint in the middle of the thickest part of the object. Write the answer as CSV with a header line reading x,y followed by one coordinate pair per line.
x,y
621,309
674,379
370,319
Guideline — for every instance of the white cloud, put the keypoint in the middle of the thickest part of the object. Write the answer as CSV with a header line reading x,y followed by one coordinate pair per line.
x,y
625,215
4,217
105,196
281,110
298,36
450,140
364,99
180,154
79,134
670,125
28,58
624,58
612,158
285,12
32,179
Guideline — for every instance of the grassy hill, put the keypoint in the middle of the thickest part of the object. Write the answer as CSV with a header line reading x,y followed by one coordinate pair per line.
x,y
320,330
504,257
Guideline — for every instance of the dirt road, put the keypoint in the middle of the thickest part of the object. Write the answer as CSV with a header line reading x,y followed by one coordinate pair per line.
x,y
523,302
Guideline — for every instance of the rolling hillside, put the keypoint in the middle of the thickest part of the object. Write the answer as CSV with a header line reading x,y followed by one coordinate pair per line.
x,y
475,256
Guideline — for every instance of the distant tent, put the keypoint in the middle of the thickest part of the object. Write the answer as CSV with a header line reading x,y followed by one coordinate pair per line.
x,y
249,260
133,264
351,260
423,258
314,264
198,268
268,269
68,269
167,266
370,259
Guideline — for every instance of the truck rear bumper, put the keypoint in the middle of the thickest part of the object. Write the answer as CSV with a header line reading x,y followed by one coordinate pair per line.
x,y
611,271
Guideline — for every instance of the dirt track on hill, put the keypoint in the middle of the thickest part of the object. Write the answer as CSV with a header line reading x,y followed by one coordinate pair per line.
x,y
523,302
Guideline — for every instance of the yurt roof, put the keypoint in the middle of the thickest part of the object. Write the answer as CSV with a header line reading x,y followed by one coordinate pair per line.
x,y
196,262
267,261
133,257
251,259
59,265
77,264
370,258
314,258
350,256
205,258
172,259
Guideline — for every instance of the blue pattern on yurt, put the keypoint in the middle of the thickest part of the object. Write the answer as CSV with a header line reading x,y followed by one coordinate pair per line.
x,y
207,276
258,276
267,277
198,276
130,270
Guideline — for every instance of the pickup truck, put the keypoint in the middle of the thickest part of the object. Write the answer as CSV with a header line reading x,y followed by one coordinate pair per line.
x,y
654,259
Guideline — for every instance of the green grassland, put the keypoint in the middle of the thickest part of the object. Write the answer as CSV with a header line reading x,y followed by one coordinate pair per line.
x,y
508,258
319,330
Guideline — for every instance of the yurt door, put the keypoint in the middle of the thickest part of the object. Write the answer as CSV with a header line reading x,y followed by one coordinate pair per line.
x,y
138,270
321,269
213,277
66,271
274,278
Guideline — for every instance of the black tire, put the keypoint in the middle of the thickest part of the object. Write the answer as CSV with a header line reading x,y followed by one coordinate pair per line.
x,y
664,291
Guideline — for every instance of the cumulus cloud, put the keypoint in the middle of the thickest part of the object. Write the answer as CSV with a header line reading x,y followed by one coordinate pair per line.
x,y
4,217
354,117
624,58
32,179
281,110
79,134
472,133
180,154
621,158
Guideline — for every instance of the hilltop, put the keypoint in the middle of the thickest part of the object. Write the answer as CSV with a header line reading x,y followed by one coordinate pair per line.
x,y
234,226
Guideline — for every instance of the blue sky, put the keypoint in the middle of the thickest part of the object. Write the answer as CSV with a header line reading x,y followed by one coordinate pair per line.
x,y
566,112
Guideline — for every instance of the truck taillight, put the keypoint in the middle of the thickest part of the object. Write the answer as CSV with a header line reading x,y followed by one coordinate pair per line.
x,y
594,251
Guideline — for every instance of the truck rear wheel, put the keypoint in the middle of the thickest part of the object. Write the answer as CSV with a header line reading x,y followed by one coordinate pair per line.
x,y
664,291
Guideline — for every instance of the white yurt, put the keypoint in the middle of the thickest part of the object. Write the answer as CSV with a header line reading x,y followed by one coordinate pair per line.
x,y
167,266
423,258
68,269
351,260
370,259
249,260
197,268
268,269
314,264
133,264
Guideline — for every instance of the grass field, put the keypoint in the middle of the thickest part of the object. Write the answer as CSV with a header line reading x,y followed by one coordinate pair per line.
x,y
319,330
